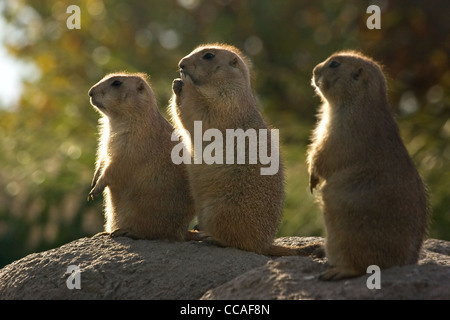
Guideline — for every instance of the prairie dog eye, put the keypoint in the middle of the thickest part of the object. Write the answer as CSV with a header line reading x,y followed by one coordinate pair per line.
x,y
208,56
116,83
334,64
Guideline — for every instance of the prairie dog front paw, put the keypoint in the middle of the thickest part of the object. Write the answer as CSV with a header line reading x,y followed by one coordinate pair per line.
x,y
177,85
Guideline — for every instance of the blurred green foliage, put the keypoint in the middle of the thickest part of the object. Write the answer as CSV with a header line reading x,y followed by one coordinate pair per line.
x,y
48,139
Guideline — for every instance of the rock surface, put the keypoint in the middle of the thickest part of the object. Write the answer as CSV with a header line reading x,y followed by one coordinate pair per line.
x,y
122,268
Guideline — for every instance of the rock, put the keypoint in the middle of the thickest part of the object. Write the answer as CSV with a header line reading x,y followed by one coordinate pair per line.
x,y
295,278
122,268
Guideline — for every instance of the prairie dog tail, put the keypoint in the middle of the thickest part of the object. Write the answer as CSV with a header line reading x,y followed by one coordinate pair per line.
x,y
315,249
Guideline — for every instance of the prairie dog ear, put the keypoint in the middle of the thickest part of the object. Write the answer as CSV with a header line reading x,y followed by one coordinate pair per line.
x,y
356,74
234,62
140,86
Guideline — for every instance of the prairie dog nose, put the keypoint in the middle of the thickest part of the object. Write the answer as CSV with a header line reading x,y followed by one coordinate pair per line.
x,y
315,78
182,64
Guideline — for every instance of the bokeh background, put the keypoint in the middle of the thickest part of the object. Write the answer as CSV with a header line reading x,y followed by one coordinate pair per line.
x,y
48,130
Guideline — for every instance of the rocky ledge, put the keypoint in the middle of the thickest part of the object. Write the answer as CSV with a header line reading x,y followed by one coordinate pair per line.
x,y
122,268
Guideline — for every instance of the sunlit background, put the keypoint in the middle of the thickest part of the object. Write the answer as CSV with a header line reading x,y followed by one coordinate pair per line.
x,y
48,130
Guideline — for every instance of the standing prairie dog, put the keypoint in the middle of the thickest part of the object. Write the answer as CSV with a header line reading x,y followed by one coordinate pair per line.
x,y
235,204
146,196
374,202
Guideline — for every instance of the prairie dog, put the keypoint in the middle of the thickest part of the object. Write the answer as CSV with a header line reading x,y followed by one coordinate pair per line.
x,y
235,204
146,196
373,199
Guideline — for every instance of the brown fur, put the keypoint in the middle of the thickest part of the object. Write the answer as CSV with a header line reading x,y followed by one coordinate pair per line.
x,y
373,199
146,195
236,206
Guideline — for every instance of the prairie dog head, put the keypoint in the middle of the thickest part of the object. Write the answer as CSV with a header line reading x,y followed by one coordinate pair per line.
x,y
349,75
121,95
216,67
